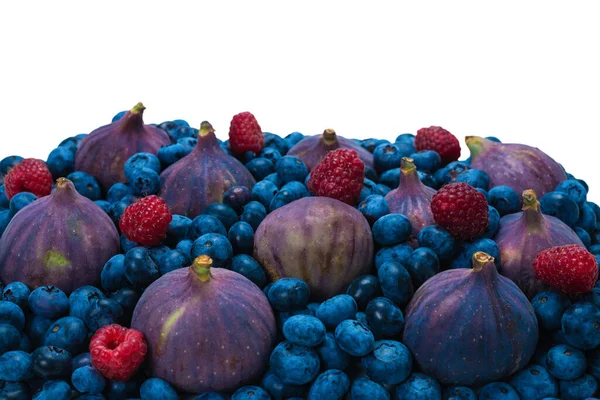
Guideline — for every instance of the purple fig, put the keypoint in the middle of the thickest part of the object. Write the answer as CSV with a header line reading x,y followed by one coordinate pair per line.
x,y
470,326
207,329
202,177
518,166
523,235
320,240
63,240
104,151
312,149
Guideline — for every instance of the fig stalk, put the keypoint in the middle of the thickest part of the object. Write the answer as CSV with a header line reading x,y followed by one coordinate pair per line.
x,y
201,267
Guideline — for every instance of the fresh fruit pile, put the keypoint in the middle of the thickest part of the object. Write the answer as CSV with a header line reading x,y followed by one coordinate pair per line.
x,y
151,262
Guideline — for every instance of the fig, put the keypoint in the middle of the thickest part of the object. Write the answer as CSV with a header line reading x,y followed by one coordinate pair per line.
x,y
207,329
63,240
202,177
323,241
523,235
518,166
104,151
470,326
312,149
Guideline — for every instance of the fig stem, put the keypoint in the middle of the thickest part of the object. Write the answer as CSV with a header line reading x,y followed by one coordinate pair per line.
x,y
407,165
480,259
329,136
62,182
476,144
201,267
138,108
530,200
206,128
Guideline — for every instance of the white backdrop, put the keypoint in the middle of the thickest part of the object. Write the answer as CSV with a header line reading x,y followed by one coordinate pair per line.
x,y
525,72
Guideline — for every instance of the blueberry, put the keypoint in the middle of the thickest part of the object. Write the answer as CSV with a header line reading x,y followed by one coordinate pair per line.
x,y
427,180
419,386
185,247
116,211
86,185
140,269
293,138
215,246
574,189
422,264
116,390
117,191
585,237
250,268
15,366
294,364
127,298
565,362
371,143
68,333
254,213
287,294
384,317
366,389
504,199
581,388
459,393
332,384
449,173
283,316
56,389
390,178
331,355
277,181
172,260
112,276
374,207
210,396
368,189
81,360
36,329
250,393
260,167
275,142
144,181
276,388
264,192
581,325
304,330
178,229
223,212
561,206
104,205
391,229
81,299
203,224
493,224
61,162
282,198
354,338
171,154
237,197
498,391
139,161
4,203
101,313
336,309
291,168
386,157
437,239
188,143
8,162
363,289
19,201
5,217
395,282
11,314
398,253
476,178
549,308
88,380
16,292
50,362
534,382
241,237
427,160
587,218
10,338
389,363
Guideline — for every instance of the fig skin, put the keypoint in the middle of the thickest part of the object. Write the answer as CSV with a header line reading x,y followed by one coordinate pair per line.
x,y
202,177
518,166
320,240
207,329
63,240
522,236
105,150
470,326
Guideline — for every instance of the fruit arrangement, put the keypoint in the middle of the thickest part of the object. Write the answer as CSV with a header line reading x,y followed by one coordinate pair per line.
x,y
145,261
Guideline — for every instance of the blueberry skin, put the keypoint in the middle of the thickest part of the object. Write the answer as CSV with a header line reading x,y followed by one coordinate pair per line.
x,y
427,160
36,329
283,198
419,386
88,380
293,138
144,181
291,168
276,388
276,142
264,192
127,298
549,308
81,360
366,389
215,246
587,219
15,366
185,247
534,382
504,199
172,260
390,178
581,325
389,363
374,207
223,212
288,294
16,292
363,289
574,189
237,197
294,364
398,253
371,143
304,330
464,260
422,264
437,239
140,269
254,212
493,224
250,393
336,309
260,168
581,388
391,229
449,172
11,314
332,384
117,191
116,211
171,154
178,229
395,282
81,299
498,391
19,201
210,396
354,338
585,237
104,205
241,237
18,391
384,317
386,157
8,162
139,161
50,362
4,203
459,393
68,333
86,185
565,362
283,316
101,313
115,390
112,277
331,355
561,206
5,217
271,154
369,188
10,338
250,268
276,179
203,224
61,162
474,177
56,389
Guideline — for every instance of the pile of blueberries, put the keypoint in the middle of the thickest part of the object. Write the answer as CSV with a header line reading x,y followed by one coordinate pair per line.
x,y
346,347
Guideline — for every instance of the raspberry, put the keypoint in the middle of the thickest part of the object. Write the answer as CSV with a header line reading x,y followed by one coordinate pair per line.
x,y
571,268
31,175
146,221
117,352
439,140
461,210
245,134
340,176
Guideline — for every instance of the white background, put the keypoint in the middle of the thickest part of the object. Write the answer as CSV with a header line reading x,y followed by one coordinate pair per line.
x,y
526,71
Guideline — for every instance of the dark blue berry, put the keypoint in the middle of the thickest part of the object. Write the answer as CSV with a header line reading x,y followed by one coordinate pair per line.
x,y
86,185
112,276
117,191
264,192
103,312
422,264
241,237
15,366
294,364
16,292
139,161
437,239
8,162
565,362
374,207
172,260
178,229
254,212
498,391
48,302
389,363
427,161
587,218
395,282
354,338
336,309
250,268
288,294
68,333
474,177
398,253
493,224
534,382
19,201
81,299
304,330
384,317
10,338
419,386
581,388
390,178
561,206
574,189
61,162
581,325
260,167
549,308
331,355
250,393
140,269
332,384
203,224
386,157
172,153
366,389
81,360
504,199
363,289
88,380
50,362
12,314
237,197
276,179
391,229
144,181
459,393
276,388
215,246
291,168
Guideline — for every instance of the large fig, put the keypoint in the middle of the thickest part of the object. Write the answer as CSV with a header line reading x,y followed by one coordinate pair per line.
x,y
523,235
320,240
470,326
518,166
63,239
104,151
312,149
208,329
202,177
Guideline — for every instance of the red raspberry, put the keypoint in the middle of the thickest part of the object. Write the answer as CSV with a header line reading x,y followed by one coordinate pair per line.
x,y
439,140
569,268
340,176
460,209
117,352
31,175
146,221
245,134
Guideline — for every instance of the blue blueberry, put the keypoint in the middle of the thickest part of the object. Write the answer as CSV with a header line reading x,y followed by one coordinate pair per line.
x,y
288,294
86,185
10,338
331,355
61,162
117,191
585,237
427,161
48,302
264,192
304,330
390,178
291,168
283,198
385,319
395,282
422,264
8,162
104,205
254,212
534,382
144,181
36,329
81,360
250,393
275,142
116,390
68,333
493,224
427,180
271,154
140,268
549,308
277,181
354,338
391,229
116,211
386,157
55,389
332,384
127,298
178,229
581,388
459,393
5,217
185,247
565,362
103,312
188,143
172,260
294,364
260,167
464,257
581,325
16,292
15,366
215,246
139,161
398,253
374,207
407,138
498,391
587,218
389,363
237,197
112,276
371,143
448,173
283,316
504,199
250,268
593,362
4,203
561,206
171,154
293,138
369,188
81,300
50,362
12,314
574,189
474,177
366,389
118,116
19,201
437,239
276,388
88,380
363,289
419,386
203,224
336,309
241,237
